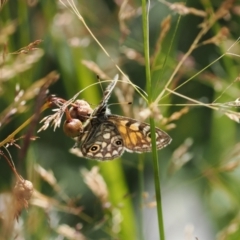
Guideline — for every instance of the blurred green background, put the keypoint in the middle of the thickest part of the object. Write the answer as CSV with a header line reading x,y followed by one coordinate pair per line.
x,y
200,182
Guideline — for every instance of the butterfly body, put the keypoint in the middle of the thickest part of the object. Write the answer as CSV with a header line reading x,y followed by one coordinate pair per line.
x,y
106,136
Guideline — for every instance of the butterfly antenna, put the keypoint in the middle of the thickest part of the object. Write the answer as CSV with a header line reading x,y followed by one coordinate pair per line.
x,y
121,103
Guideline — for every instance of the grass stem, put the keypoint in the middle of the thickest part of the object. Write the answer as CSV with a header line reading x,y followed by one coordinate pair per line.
x,y
145,23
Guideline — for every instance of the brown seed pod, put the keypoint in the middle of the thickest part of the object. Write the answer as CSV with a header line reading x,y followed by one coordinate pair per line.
x,y
22,193
23,190
81,110
72,127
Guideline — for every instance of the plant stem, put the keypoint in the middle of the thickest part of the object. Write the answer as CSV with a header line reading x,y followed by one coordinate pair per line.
x,y
141,190
152,124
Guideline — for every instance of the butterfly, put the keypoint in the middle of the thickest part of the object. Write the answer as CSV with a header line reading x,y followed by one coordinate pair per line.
x,y
106,136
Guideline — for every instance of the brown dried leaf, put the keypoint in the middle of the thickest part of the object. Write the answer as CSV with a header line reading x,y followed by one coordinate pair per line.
x,y
96,183
30,93
233,116
132,54
95,68
7,30
177,115
126,12
181,9
224,9
180,156
30,47
70,233
218,38
48,176
165,27
152,204
20,64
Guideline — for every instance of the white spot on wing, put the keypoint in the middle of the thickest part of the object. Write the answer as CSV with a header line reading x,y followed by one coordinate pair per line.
x,y
99,155
115,152
104,144
108,155
106,135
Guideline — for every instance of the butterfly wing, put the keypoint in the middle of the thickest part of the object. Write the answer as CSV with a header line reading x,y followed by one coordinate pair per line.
x,y
106,136
101,142
137,135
